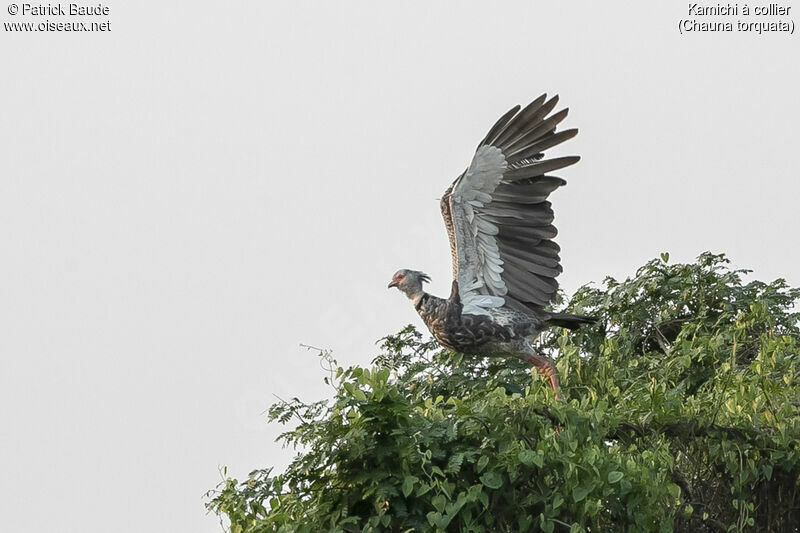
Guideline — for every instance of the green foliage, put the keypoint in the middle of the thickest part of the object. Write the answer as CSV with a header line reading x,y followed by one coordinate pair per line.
x,y
681,412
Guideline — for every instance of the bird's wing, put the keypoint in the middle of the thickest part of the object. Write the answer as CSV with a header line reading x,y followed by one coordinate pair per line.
x,y
498,217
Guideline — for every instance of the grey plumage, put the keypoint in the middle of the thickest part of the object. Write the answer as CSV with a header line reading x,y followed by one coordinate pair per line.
x,y
500,225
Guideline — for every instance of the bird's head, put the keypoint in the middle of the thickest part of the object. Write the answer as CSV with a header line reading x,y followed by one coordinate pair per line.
x,y
409,281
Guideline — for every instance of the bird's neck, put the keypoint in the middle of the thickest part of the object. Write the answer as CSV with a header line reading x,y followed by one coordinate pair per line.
x,y
416,296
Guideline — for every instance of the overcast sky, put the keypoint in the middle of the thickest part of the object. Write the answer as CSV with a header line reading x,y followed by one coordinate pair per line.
x,y
188,197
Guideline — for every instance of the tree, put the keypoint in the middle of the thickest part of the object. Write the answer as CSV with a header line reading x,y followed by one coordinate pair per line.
x,y
681,412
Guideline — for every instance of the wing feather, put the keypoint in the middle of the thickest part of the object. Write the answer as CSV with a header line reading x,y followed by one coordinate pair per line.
x,y
539,168
499,125
514,129
540,145
498,215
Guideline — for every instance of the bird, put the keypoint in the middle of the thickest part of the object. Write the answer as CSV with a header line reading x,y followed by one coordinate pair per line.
x,y
504,260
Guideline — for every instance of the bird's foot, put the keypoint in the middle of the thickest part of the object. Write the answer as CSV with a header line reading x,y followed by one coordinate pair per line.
x,y
548,370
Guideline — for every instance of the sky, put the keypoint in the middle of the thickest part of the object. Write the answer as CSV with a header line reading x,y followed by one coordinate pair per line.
x,y
189,197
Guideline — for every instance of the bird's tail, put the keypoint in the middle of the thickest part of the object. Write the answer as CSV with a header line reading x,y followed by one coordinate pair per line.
x,y
568,321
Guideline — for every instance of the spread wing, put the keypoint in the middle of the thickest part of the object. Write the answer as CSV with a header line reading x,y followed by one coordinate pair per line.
x,y
498,217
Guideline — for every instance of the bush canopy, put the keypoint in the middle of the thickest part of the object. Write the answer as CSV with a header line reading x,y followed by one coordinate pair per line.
x,y
681,412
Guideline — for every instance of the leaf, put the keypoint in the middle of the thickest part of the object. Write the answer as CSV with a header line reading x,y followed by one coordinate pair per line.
x,y
423,489
493,480
547,525
444,521
453,508
528,457
674,490
579,493
482,462
614,476
557,501
484,499
454,464
408,484
358,394
439,502
383,375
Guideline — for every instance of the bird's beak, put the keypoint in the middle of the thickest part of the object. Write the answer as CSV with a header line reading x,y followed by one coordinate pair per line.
x,y
392,284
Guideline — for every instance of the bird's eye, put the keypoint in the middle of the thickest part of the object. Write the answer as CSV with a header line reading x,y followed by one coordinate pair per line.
x,y
401,276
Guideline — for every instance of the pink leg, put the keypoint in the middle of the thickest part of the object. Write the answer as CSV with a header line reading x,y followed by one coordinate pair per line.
x,y
548,370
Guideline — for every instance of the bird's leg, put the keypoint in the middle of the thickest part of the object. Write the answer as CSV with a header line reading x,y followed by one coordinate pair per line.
x,y
547,369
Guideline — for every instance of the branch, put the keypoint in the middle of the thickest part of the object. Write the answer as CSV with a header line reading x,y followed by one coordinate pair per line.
x,y
688,428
